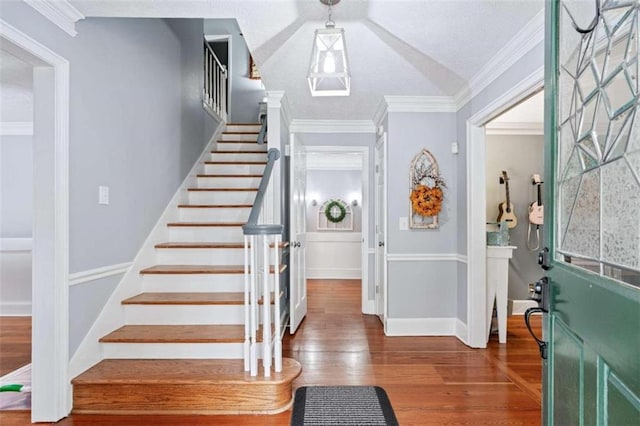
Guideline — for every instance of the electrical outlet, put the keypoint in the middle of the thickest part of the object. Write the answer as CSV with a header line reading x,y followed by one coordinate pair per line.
x,y
103,195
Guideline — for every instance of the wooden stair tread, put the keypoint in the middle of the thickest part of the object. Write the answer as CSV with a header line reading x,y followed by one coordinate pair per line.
x,y
224,189
230,176
198,269
240,152
240,133
205,224
179,371
199,245
192,333
209,245
190,298
214,206
236,162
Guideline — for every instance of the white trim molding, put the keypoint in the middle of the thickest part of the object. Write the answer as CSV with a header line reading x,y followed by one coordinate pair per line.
x,y
15,309
332,126
51,391
421,326
16,128
60,12
98,273
419,104
527,38
514,128
16,244
461,331
426,257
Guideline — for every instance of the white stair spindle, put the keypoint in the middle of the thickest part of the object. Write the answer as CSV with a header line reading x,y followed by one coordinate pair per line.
x,y
276,292
247,314
266,309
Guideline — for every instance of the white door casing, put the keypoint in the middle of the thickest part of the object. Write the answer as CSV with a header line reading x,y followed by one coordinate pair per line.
x,y
297,232
380,229
51,388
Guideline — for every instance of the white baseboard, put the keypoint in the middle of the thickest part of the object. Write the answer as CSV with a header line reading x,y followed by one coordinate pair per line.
x,y
334,273
15,309
520,306
421,326
461,332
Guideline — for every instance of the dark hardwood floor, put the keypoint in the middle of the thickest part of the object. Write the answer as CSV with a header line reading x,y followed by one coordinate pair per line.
x,y
429,380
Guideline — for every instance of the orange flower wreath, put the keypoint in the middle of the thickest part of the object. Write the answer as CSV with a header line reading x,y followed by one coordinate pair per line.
x,y
426,200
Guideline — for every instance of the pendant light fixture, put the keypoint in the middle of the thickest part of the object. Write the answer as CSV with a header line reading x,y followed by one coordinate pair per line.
x,y
329,68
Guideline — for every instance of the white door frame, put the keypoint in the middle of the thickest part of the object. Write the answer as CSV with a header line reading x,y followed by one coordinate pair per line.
x,y
381,144
477,200
368,306
51,388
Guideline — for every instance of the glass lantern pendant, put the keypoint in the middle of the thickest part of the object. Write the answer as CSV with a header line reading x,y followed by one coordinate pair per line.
x,y
329,69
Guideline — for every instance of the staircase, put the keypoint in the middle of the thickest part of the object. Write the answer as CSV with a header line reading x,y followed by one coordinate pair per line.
x,y
180,350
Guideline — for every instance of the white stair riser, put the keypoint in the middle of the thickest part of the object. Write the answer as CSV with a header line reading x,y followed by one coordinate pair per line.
x,y
222,197
184,314
173,350
221,214
229,182
233,169
238,128
249,137
206,234
200,256
237,157
235,146
193,283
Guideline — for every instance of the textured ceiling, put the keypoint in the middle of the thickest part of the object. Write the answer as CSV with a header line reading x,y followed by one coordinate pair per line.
x,y
395,47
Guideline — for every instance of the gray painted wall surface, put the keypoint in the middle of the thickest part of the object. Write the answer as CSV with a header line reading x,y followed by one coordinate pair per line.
x,y
245,93
421,289
126,118
326,184
521,156
409,133
85,303
16,186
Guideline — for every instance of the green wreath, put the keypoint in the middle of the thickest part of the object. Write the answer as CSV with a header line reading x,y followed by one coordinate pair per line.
x,y
328,212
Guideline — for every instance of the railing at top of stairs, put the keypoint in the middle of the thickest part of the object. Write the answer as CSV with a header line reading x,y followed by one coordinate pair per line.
x,y
214,95
259,240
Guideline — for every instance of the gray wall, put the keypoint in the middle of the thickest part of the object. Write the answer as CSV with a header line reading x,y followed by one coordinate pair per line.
x,y
16,186
521,156
130,108
421,289
245,93
333,184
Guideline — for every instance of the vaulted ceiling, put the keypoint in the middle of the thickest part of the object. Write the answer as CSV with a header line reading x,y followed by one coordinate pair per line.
x,y
395,47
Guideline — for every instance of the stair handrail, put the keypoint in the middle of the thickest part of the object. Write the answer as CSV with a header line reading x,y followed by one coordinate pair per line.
x,y
252,227
259,265
215,84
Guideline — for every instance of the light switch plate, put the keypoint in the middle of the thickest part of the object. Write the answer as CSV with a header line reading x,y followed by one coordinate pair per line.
x,y
103,195
404,223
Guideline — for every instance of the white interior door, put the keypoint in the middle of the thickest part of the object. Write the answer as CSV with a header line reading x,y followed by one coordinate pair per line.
x,y
381,220
297,232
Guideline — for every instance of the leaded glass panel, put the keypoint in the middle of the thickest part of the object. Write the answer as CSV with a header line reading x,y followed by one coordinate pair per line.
x,y
598,158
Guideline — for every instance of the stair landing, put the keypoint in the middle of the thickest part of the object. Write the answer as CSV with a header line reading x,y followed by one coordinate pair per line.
x,y
181,386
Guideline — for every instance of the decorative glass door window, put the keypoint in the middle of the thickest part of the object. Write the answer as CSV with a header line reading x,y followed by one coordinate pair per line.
x,y
598,156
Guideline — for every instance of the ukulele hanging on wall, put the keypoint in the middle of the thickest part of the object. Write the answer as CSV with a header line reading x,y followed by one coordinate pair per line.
x,y
507,212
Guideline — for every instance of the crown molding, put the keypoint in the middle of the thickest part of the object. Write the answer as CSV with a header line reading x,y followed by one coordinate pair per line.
x,y
332,126
60,12
16,128
526,39
515,128
420,104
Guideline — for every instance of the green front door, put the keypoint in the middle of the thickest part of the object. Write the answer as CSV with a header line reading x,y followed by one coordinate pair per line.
x,y
592,374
